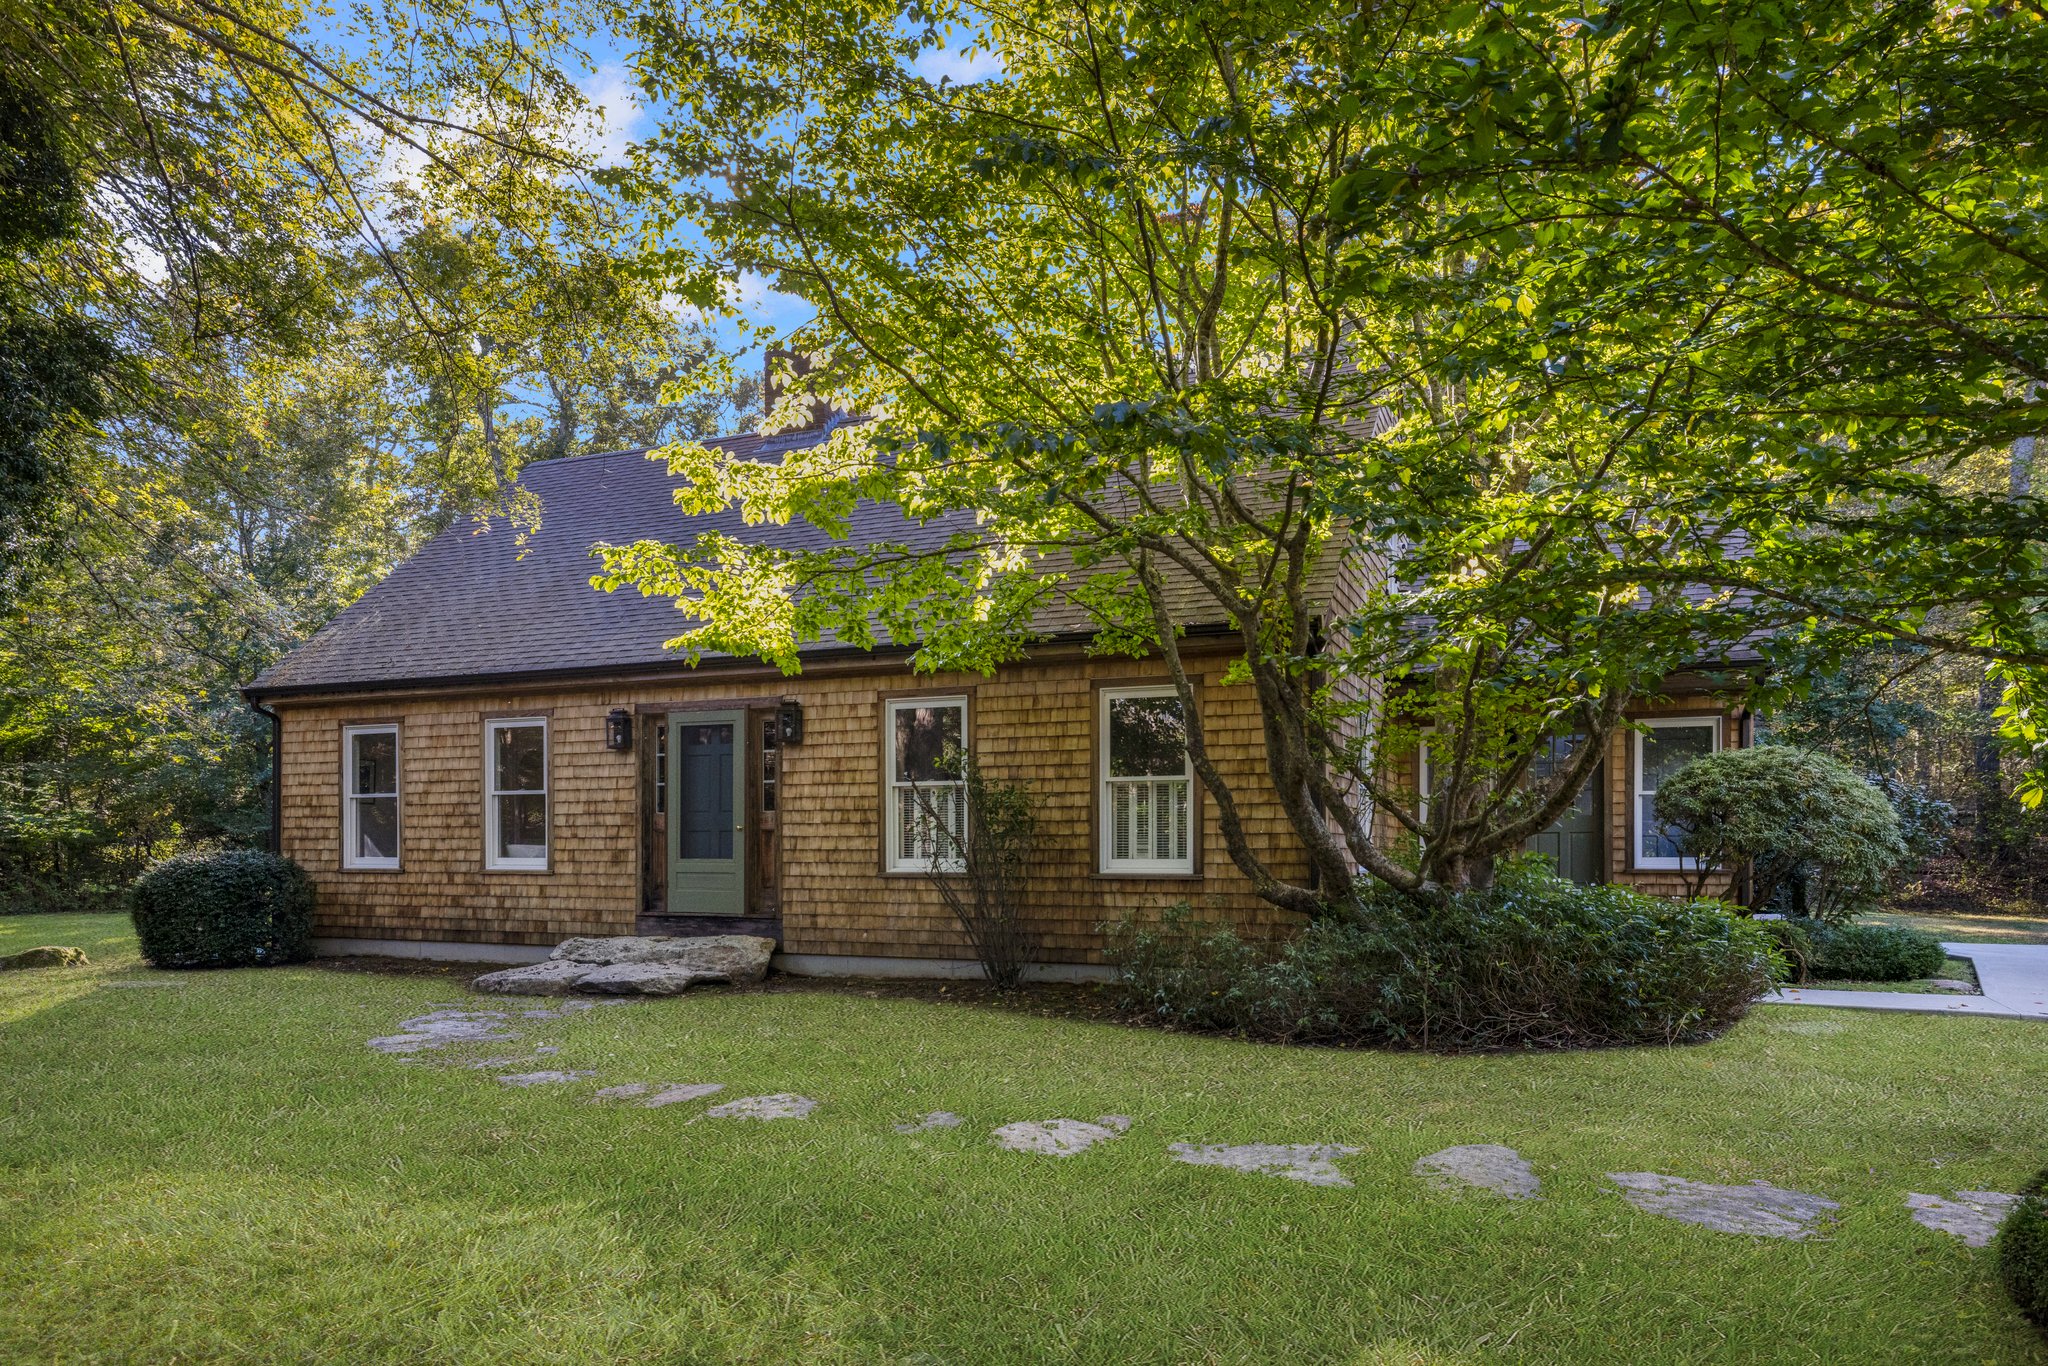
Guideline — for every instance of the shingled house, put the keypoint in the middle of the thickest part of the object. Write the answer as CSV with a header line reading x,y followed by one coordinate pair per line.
x,y
483,756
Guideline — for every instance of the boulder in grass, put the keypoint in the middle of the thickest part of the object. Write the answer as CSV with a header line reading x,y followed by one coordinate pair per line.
x,y
637,965
46,956
643,979
716,957
535,979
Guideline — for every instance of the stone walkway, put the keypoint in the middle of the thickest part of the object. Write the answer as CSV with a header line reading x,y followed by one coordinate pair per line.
x,y
2014,979
444,1035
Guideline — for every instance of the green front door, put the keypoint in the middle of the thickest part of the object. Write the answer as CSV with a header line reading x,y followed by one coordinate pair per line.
x,y
1573,843
707,847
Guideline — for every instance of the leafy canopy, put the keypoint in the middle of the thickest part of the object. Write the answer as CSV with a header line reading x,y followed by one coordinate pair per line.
x,y
1621,344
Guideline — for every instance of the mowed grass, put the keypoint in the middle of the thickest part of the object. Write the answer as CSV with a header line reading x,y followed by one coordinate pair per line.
x,y
223,1171
1986,926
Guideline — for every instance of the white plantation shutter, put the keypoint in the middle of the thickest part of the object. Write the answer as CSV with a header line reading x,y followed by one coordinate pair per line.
x,y
925,816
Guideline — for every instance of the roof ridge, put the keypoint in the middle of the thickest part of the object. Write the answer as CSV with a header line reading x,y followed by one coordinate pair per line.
x,y
637,450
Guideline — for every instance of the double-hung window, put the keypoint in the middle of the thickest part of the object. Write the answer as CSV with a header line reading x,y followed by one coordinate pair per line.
x,y
1669,744
1147,783
516,794
926,742
369,797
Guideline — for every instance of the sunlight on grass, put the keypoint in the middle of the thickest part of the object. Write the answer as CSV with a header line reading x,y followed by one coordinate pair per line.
x,y
1984,927
108,940
224,1170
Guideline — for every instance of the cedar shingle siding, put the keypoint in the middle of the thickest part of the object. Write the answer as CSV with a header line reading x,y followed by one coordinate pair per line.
x,y
480,623
1033,721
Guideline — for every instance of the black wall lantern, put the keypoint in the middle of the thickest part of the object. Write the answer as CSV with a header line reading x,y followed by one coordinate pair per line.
x,y
792,719
618,729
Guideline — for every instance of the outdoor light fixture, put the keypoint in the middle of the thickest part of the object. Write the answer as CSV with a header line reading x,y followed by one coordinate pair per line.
x,y
792,719
618,729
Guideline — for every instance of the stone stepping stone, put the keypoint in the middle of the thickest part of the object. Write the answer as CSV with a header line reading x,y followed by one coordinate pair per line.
x,y
782,1105
937,1119
1060,1137
1481,1166
1973,1216
673,1095
544,1078
1313,1163
1759,1208
439,1028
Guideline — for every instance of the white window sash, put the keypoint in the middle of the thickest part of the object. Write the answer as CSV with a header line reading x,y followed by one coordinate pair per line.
x,y
351,799
493,860
1147,822
912,839
1642,797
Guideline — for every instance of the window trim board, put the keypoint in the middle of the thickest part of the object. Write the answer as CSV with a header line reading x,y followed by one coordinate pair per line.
x,y
887,704
1717,721
491,862
350,863
1098,784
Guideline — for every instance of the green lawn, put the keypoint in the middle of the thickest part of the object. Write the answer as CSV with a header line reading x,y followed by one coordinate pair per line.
x,y
222,1170
1954,970
1979,927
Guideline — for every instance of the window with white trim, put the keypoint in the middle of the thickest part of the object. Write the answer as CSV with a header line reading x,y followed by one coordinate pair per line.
x,y
1669,744
516,794
1147,782
369,796
926,739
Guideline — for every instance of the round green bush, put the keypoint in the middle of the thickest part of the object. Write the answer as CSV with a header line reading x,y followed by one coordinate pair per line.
x,y
1807,825
1533,962
228,909
2023,1253
1855,953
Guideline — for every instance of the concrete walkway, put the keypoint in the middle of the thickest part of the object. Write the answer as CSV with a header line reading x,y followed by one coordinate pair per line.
x,y
2014,978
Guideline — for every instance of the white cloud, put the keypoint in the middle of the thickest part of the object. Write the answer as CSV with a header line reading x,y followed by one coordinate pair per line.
x,y
961,68
613,125
145,260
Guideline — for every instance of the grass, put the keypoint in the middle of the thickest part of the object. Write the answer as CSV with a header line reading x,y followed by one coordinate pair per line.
x,y
1954,970
1974,927
222,1171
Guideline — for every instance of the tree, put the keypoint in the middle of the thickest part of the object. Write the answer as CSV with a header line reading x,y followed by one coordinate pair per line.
x,y
279,296
1191,308
53,366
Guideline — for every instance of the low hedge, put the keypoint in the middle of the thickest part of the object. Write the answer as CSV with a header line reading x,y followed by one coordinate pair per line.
x,y
1814,952
228,909
2023,1253
1534,962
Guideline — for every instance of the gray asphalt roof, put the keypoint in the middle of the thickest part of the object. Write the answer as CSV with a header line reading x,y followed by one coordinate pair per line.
x,y
474,602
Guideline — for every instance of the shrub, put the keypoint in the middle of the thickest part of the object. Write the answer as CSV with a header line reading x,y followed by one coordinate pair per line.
x,y
2023,1253
232,908
1535,961
1814,951
981,877
1807,825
